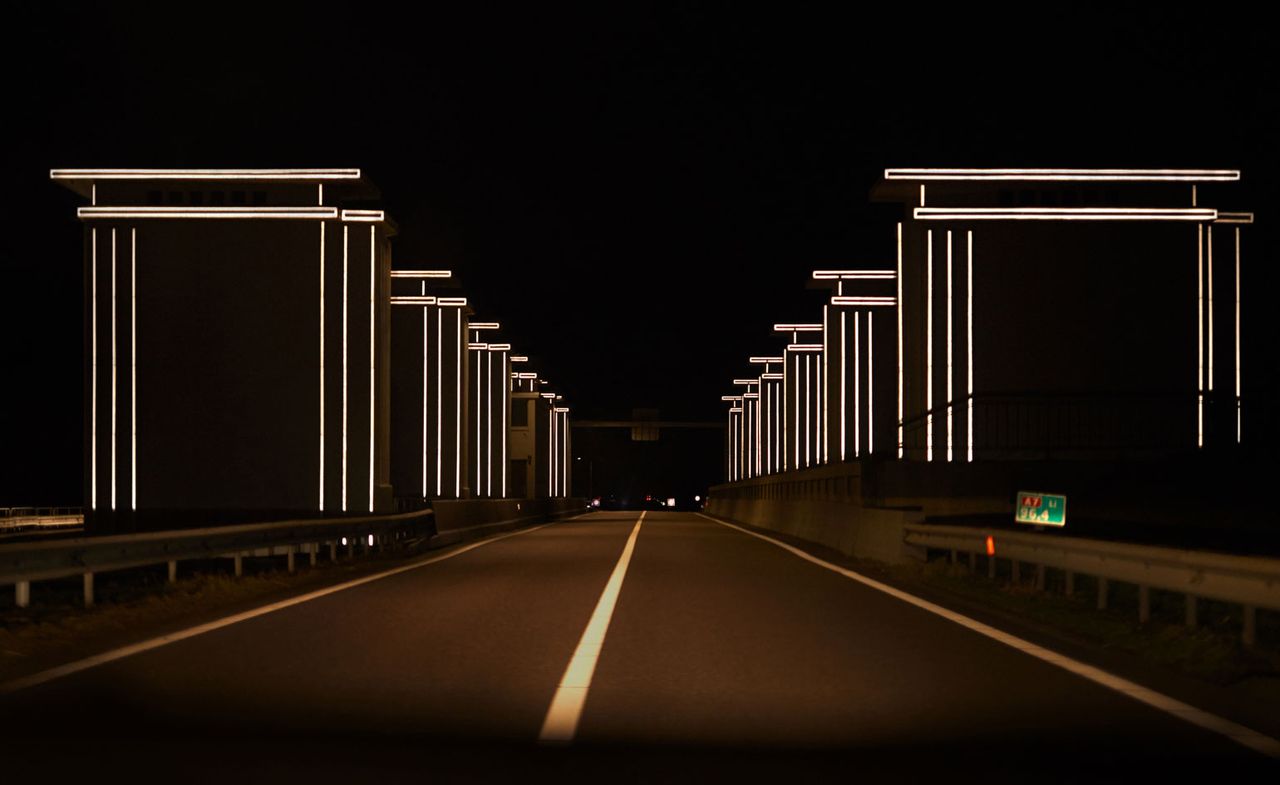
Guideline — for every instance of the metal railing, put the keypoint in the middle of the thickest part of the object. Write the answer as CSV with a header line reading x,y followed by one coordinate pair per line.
x,y
23,563
1250,581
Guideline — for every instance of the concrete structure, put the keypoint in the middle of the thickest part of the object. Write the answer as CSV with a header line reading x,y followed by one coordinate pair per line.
x,y
540,443
487,427
193,417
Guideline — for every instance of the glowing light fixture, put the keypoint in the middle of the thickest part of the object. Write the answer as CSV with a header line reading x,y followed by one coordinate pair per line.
x,y
1086,175
1064,214
864,301
854,275
277,213
421,274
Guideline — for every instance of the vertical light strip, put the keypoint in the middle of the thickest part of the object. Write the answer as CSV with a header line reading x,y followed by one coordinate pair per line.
x,y
476,490
785,411
564,455
1208,241
928,340
426,315
857,384
950,374
898,308
320,193
808,409
345,260
1199,335
93,371
767,390
321,492
459,340
968,363
488,452
779,420
373,352
728,453
133,369
439,400
796,402
506,404
824,379
844,373
871,387
1239,432
759,416
820,402
113,370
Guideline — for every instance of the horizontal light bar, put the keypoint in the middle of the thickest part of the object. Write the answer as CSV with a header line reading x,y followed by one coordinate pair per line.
x,y
500,347
548,395
1235,218
312,213
731,397
525,375
860,300
804,347
562,410
854,275
1065,214
477,346
519,358
421,273
204,174
558,397
745,381
735,410
772,377
1110,175
801,328
413,300
367,216
752,396
765,360
451,301
483,325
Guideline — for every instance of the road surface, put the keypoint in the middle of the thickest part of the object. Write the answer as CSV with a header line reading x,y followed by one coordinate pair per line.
x,y
712,653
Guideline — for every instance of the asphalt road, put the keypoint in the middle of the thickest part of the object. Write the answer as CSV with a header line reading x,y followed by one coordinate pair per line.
x,y
724,657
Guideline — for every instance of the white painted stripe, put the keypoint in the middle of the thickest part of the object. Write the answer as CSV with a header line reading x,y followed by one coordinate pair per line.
x,y
561,723
1238,733
77,666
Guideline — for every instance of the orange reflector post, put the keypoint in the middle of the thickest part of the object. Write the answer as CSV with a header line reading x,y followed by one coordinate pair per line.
x,y
991,545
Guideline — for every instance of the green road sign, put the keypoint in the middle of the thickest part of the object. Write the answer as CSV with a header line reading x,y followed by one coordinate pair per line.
x,y
1041,509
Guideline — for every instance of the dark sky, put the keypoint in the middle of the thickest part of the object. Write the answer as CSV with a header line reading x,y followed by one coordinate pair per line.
x,y
637,195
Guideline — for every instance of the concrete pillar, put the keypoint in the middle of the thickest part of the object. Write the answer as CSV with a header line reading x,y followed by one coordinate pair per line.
x,y
1039,577
1193,610
313,547
173,571
333,550
290,559
22,594
88,590
1070,587
239,562
1144,604
1102,594
1249,635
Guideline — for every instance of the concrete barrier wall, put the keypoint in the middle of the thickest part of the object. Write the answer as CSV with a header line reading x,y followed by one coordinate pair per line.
x,y
461,519
822,505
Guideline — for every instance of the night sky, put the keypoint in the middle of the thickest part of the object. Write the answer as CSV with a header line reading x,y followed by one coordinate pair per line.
x,y
637,195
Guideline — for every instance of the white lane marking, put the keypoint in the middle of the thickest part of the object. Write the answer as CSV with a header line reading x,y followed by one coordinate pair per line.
x,y
1238,733
561,723
191,632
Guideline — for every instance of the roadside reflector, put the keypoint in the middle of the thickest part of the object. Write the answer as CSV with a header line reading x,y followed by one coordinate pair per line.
x,y
991,545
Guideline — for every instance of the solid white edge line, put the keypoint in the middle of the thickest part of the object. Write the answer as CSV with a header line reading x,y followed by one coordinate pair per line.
x,y
561,723
76,666
1238,733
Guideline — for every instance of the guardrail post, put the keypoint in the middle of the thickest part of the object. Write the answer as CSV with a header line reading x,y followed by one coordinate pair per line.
x,y
173,571
88,590
1193,607
239,562
1144,604
1102,593
289,557
1070,585
22,593
1039,577
1249,636
313,547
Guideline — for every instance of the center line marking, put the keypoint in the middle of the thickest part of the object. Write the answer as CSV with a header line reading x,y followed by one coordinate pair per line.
x,y
561,724
1247,737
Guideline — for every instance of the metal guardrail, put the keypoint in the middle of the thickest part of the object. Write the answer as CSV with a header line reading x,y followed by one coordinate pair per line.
x,y
1250,581
22,563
